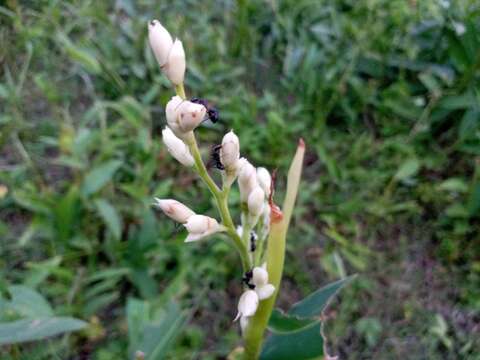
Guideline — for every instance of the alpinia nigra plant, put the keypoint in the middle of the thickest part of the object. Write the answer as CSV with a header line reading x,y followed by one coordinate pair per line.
x,y
260,237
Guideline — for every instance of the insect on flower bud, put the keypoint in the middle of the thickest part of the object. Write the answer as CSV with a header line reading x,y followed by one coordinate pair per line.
x,y
177,147
160,41
199,226
230,151
256,201
264,180
176,64
247,305
190,115
247,181
174,209
183,116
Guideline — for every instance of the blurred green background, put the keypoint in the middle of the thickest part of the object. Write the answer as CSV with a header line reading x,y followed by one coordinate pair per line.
x,y
386,94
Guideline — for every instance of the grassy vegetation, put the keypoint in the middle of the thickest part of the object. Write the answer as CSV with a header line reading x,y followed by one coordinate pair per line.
x,y
386,95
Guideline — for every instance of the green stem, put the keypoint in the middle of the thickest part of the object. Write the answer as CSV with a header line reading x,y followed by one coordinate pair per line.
x,y
275,257
180,90
221,198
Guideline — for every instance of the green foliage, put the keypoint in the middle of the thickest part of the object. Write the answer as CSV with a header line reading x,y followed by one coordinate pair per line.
x,y
389,113
297,334
37,322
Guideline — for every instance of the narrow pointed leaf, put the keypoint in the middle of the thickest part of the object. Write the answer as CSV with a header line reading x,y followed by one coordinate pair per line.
x,y
37,329
315,303
280,322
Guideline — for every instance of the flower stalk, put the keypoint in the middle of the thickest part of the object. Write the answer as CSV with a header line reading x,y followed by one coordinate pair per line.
x,y
262,223
275,256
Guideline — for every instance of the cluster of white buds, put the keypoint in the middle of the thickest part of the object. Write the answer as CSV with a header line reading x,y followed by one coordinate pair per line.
x,y
169,54
198,226
260,289
183,117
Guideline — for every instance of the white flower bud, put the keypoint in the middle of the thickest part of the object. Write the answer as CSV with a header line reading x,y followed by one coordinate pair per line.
x,y
264,291
230,151
177,147
183,116
160,41
260,280
190,115
247,305
199,226
256,201
247,181
175,67
174,209
264,180
259,276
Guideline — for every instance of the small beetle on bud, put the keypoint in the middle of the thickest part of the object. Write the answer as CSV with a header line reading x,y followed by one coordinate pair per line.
x,y
183,116
177,147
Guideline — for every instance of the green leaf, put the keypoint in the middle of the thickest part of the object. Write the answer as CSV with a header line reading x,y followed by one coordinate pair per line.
x,y
159,335
316,302
82,56
299,345
131,110
37,329
110,216
138,315
99,176
29,303
280,322
408,169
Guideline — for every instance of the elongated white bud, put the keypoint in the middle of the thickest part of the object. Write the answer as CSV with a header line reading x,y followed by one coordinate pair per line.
x,y
256,201
247,181
174,209
230,151
177,147
176,63
183,116
160,41
199,226
247,305
264,180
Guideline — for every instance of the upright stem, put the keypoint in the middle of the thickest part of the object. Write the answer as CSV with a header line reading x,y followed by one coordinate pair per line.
x,y
275,257
221,197
258,323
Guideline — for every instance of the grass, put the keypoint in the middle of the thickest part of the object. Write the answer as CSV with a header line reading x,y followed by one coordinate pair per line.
x,y
386,96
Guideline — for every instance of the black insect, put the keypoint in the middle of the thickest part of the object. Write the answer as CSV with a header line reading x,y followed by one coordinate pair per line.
x,y
216,157
212,112
247,278
253,241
